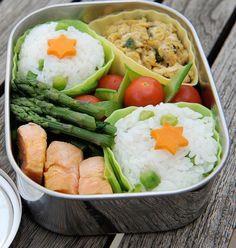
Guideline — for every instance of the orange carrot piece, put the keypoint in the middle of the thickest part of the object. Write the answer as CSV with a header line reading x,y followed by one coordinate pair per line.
x,y
169,138
62,47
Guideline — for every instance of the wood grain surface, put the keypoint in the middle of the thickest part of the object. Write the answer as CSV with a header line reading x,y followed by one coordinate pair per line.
x,y
214,228
207,16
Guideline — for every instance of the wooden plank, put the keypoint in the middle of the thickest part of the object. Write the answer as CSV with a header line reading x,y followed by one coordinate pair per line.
x,y
208,17
215,227
11,11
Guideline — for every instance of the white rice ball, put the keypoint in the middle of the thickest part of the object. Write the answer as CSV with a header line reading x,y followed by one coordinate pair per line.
x,y
134,147
89,55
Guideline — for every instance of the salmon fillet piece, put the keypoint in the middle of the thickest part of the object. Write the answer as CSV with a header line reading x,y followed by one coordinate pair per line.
x,y
62,167
92,180
32,143
59,179
94,185
65,155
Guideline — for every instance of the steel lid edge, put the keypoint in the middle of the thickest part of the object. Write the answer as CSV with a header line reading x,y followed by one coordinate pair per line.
x,y
10,210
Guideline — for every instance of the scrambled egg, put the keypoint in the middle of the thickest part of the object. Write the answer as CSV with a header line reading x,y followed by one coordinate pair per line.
x,y
153,44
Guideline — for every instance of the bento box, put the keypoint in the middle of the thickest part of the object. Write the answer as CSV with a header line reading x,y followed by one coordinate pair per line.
x,y
121,212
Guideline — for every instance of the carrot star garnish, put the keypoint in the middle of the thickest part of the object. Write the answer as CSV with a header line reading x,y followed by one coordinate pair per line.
x,y
169,138
62,47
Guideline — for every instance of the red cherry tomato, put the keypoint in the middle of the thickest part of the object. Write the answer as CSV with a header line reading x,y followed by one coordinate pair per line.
x,y
110,82
87,98
143,91
187,93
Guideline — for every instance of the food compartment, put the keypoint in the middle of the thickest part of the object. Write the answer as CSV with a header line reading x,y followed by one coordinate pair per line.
x,y
101,207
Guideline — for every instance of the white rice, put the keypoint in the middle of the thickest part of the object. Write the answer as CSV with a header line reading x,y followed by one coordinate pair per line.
x,y
89,55
134,148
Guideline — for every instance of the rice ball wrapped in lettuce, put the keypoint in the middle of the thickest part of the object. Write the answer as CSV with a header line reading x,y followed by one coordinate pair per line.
x,y
163,148
65,54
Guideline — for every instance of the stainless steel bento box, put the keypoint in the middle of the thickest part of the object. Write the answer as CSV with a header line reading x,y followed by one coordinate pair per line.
x,y
129,212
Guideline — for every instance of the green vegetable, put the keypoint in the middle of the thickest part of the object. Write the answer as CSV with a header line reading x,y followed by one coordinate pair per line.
x,y
40,64
137,188
193,160
128,78
173,86
59,82
109,94
109,174
43,91
123,182
206,174
25,114
105,94
43,107
62,26
130,43
105,127
16,56
150,179
120,113
170,119
31,76
108,106
146,114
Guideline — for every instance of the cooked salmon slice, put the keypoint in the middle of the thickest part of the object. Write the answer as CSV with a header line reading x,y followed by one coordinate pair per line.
x,y
65,155
62,167
94,185
59,179
92,179
32,143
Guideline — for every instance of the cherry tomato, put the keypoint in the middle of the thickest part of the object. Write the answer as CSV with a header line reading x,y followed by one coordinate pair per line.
x,y
87,98
110,82
207,96
143,91
187,93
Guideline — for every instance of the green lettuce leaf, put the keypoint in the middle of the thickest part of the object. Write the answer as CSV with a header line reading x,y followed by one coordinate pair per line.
x,y
109,173
173,86
17,48
123,181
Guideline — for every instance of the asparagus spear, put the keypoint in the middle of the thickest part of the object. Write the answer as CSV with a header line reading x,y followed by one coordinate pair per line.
x,y
76,118
105,127
43,107
24,114
43,91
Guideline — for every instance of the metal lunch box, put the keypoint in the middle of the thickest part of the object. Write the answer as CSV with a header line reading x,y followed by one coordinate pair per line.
x,y
114,213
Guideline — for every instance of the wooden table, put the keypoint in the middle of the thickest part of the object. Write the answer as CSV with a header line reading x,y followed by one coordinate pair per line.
x,y
214,21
